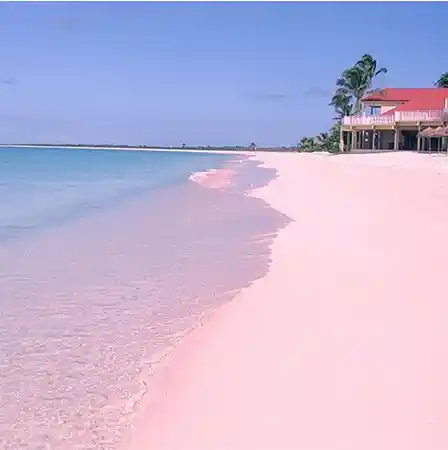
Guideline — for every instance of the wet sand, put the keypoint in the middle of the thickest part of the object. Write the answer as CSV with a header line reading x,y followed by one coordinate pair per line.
x,y
342,345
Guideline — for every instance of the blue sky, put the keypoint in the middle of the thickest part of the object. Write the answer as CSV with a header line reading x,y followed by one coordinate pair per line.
x,y
200,73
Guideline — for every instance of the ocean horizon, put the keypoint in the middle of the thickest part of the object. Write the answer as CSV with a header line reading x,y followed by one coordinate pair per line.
x,y
107,259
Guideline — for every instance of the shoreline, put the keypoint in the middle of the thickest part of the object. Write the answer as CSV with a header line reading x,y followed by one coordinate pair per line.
x,y
128,287
155,380
295,362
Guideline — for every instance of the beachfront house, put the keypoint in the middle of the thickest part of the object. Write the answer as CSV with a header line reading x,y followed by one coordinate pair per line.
x,y
398,119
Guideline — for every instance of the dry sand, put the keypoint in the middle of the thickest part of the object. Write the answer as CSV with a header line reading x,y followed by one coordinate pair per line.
x,y
343,345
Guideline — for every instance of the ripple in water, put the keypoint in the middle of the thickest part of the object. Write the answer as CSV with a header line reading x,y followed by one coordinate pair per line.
x,y
88,309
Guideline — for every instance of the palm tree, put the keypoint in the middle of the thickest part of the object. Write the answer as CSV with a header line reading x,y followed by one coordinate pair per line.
x,y
322,138
307,143
352,84
369,66
253,146
346,109
442,82
342,104
334,137
356,81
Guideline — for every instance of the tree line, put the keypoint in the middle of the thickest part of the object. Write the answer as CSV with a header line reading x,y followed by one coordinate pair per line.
x,y
353,84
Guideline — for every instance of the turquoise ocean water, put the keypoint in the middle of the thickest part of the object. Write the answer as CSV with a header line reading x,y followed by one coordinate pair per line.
x,y
41,187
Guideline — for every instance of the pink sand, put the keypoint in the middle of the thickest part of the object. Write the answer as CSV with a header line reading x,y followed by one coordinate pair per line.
x,y
343,345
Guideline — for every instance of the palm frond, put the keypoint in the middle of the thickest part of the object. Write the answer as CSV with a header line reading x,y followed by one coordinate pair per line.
x,y
382,70
442,82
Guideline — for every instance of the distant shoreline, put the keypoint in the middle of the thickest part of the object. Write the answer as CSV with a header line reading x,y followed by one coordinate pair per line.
x,y
147,149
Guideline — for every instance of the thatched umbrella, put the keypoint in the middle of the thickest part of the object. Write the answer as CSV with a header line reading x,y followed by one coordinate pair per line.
x,y
441,133
445,139
427,132
438,133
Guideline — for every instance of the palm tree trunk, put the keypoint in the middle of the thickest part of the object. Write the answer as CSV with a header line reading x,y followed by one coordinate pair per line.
x,y
358,105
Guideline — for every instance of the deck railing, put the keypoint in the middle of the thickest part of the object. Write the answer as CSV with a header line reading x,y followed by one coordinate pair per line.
x,y
398,116
420,116
368,120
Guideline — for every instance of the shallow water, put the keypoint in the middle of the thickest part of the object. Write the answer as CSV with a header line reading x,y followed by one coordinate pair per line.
x,y
89,306
45,187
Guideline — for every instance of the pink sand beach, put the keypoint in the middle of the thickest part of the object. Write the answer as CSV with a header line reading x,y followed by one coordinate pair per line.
x,y
342,345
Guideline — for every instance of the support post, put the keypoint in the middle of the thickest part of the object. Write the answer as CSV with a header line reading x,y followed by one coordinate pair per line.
x,y
419,139
396,138
341,140
353,142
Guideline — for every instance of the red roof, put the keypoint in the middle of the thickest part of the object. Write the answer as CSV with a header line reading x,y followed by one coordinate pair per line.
x,y
414,99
